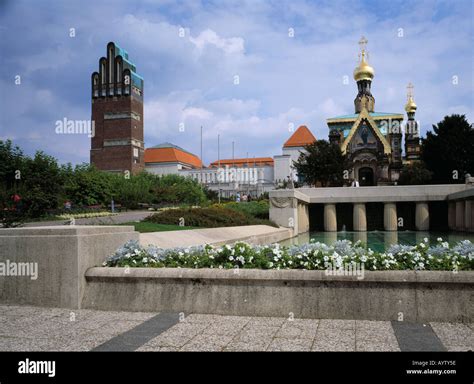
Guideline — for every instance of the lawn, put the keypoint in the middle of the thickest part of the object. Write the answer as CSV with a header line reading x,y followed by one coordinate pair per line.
x,y
145,226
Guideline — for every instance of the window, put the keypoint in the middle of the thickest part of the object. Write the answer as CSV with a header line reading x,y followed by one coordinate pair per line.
x,y
135,152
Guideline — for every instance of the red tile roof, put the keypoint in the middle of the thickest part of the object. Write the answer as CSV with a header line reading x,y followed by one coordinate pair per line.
x,y
259,161
171,155
300,138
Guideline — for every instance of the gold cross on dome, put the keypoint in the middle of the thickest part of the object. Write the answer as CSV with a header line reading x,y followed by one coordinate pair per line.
x,y
410,90
363,43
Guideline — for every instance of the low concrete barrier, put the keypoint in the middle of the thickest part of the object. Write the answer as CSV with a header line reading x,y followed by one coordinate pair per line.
x,y
385,295
253,234
45,266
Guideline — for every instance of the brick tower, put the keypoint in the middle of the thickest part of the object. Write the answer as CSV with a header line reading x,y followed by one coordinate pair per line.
x,y
117,112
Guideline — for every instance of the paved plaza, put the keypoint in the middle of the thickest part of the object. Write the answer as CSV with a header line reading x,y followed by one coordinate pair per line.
x,y
25,328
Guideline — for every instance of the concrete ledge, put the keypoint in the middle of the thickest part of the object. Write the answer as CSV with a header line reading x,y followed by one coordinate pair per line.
x,y
382,194
62,255
465,194
253,234
385,295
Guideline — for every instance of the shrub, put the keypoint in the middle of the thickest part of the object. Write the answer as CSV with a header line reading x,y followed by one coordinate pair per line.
x,y
177,189
256,209
201,217
414,174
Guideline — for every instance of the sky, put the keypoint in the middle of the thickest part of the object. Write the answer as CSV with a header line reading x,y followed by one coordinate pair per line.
x,y
293,60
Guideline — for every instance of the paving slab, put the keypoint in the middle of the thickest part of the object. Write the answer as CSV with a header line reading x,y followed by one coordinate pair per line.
x,y
26,328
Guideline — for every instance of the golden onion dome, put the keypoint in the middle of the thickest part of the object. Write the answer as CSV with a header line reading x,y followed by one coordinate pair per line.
x,y
363,71
410,106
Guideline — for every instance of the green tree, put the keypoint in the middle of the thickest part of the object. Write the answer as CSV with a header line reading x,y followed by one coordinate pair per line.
x,y
323,163
12,164
448,151
86,185
131,191
41,184
12,160
178,190
415,174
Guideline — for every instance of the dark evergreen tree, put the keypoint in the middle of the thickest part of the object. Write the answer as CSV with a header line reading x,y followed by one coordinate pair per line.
x,y
324,164
448,151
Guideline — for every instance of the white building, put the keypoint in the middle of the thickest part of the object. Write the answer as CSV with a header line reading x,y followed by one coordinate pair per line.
x,y
252,176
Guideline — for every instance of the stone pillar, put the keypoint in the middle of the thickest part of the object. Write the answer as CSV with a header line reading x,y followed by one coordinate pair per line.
x,y
359,217
62,255
422,217
451,215
390,216
468,219
460,211
303,218
390,238
330,237
330,218
360,236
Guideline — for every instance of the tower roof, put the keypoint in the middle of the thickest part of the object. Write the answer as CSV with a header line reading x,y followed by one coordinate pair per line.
x,y
363,71
410,106
170,153
300,138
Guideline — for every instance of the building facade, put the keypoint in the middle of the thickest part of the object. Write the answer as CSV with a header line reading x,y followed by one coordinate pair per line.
x,y
371,140
117,114
250,176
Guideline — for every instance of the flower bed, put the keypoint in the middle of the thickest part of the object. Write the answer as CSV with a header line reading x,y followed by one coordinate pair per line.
x,y
310,256
85,215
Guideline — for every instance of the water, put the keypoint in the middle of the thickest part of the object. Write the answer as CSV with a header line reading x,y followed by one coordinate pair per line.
x,y
379,240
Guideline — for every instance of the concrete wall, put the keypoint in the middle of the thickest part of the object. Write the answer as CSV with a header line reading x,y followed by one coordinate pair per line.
x,y
382,194
283,213
63,254
282,164
163,169
417,296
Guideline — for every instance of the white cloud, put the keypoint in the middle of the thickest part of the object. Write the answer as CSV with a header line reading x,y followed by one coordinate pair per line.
x,y
282,80
231,45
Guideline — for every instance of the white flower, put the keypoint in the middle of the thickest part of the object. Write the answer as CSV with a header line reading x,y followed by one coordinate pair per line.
x,y
439,239
231,258
145,260
425,239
